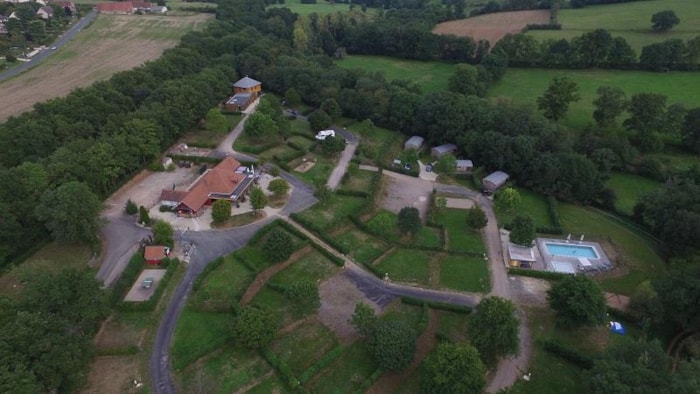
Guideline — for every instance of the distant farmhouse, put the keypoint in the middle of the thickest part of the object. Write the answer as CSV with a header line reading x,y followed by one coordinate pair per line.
x,y
130,7
245,91
229,181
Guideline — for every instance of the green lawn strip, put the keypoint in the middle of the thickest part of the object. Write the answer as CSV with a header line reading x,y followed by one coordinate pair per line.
x,y
363,247
276,301
312,266
430,76
316,175
428,237
226,371
361,181
301,141
628,188
407,265
531,204
223,285
465,273
245,143
461,238
328,214
297,126
523,86
253,258
279,151
454,325
638,251
303,346
199,333
348,372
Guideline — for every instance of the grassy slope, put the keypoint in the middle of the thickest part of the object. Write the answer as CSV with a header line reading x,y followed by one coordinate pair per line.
x,y
628,188
431,76
631,21
523,86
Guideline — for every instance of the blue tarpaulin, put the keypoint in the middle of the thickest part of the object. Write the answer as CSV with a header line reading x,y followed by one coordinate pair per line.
x,y
617,328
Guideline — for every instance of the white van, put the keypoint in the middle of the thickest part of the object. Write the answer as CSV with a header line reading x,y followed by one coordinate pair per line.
x,y
321,135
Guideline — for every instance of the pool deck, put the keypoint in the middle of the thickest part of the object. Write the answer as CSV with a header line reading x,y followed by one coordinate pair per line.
x,y
579,264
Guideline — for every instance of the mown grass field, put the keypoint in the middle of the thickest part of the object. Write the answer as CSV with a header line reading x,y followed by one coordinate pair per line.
x,y
407,265
632,21
465,274
523,86
460,237
532,204
628,188
431,76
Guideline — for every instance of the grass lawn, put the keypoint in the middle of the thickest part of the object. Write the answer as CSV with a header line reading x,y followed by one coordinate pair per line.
x,y
226,371
675,160
316,175
630,21
51,259
407,265
643,261
628,188
197,334
222,286
321,8
347,373
371,141
124,330
276,302
460,237
361,181
303,346
312,266
523,86
280,151
246,143
454,325
532,204
272,384
428,237
326,214
363,247
301,141
430,76
465,273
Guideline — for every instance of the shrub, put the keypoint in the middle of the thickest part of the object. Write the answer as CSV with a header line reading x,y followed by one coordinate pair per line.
x,y
255,326
568,353
278,186
278,246
130,208
221,211
393,343
143,216
303,297
163,233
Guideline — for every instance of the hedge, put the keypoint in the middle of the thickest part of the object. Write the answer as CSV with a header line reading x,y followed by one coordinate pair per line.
x,y
117,351
370,381
298,147
150,304
424,318
283,369
437,305
550,230
257,149
323,235
572,355
196,159
207,270
262,232
333,258
379,274
128,276
322,363
536,274
289,156
305,135
553,211
542,26
352,193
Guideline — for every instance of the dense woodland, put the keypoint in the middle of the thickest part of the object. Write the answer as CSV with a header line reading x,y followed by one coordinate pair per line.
x,y
84,146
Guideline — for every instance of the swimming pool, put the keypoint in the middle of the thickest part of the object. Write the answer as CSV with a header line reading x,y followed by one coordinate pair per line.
x,y
557,249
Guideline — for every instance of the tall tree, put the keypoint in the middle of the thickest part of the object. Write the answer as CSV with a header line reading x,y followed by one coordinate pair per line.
x,y
554,103
254,326
507,199
664,20
70,213
216,121
258,199
447,164
464,80
260,125
577,300
220,211
476,218
319,120
494,329
679,295
453,368
304,297
409,220
331,107
523,230
163,233
609,104
278,246
691,130
363,319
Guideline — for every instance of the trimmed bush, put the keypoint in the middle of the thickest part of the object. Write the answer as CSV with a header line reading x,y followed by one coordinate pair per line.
x,y
437,305
196,159
572,355
282,368
367,383
325,361
207,270
536,274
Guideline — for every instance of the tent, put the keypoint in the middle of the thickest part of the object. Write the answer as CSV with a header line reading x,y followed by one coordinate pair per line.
x,y
617,328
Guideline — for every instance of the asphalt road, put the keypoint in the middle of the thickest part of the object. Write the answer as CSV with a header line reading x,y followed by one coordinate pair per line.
x,y
62,40
122,235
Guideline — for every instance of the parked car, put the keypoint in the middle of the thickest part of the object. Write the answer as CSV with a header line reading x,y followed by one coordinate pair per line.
x,y
407,166
323,134
429,168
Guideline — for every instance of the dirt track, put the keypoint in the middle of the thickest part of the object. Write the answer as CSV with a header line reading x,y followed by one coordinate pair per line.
x,y
112,43
493,27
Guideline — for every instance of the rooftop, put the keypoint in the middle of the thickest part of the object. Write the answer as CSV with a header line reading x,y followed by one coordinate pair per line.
x,y
239,99
246,83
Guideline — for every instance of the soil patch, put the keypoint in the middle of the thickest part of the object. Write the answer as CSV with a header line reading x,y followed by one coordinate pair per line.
x,y
114,374
493,27
459,203
305,166
338,299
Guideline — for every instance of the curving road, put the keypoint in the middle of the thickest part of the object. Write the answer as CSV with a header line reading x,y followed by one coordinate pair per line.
x,y
41,56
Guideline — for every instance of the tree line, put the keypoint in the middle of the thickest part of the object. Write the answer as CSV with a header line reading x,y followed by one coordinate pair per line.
x,y
599,49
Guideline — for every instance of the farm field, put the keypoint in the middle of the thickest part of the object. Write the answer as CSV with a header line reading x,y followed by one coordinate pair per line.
x,y
430,76
320,8
523,86
632,21
110,44
492,27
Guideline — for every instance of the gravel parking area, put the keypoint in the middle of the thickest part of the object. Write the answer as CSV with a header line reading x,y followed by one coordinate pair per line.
x,y
138,293
406,191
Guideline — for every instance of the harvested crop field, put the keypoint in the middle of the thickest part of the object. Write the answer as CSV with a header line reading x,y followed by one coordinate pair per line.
x,y
110,44
493,27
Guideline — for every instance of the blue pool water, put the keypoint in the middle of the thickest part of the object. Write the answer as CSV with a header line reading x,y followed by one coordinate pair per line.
x,y
571,250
